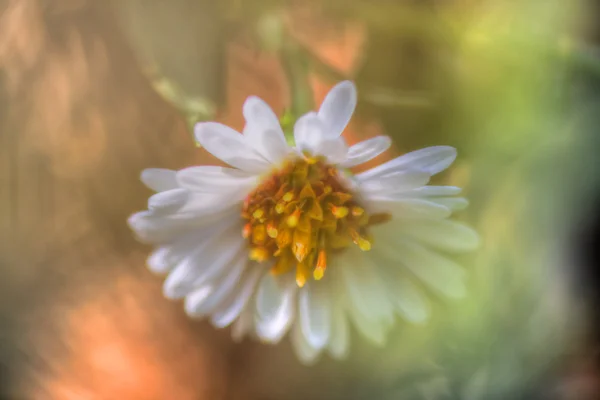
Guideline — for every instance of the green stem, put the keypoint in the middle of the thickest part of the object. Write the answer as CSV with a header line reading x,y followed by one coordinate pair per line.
x,y
296,68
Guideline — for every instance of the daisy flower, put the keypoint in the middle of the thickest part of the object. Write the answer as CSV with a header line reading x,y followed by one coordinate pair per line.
x,y
287,239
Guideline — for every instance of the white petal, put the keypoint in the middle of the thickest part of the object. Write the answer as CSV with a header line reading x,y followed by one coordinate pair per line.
x,y
214,179
363,287
159,179
263,130
229,146
242,325
403,293
167,201
203,204
205,263
397,182
408,207
438,272
410,302
158,261
358,304
307,354
164,258
430,159
308,132
436,191
452,203
149,228
197,304
443,234
220,255
366,150
275,307
334,150
257,112
374,331
337,108
314,305
339,343
232,308
195,299
180,281
158,228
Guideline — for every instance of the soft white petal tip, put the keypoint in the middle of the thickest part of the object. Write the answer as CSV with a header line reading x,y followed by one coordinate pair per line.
x,y
345,85
201,131
168,201
158,179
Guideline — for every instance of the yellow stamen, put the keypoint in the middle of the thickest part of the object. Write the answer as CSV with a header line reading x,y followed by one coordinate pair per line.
x,y
289,196
259,234
284,238
360,241
364,244
321,265
304,224
318,273
307,192
302,274
259,254
339,212
284,263
300,245
280,207
315,211
357,211
247,230
292,220
341,198
300,279
258,213
300,213
272,230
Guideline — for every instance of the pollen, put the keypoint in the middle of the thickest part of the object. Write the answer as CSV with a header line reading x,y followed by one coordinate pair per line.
x,y
302,213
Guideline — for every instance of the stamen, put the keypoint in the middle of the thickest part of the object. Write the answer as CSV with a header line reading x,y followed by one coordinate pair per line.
x,y
284,238
339,212
299,214
357,211
258,213
360,241
259,254
302,274
321,265
293,219
259,234
272,230
300,246
247,231
289,196
280,207
285,262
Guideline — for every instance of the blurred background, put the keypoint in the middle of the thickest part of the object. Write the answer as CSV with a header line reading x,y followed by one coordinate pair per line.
x,y
92,92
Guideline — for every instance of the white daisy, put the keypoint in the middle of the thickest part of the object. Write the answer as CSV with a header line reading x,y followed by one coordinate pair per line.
x,y
289,240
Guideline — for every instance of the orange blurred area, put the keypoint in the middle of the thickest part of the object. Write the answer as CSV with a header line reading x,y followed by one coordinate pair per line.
x,y
79,121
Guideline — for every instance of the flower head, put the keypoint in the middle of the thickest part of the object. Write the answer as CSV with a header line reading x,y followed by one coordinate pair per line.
x,y
289,240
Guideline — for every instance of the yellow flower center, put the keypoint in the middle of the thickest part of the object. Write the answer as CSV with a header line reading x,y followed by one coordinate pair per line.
x,y
300,214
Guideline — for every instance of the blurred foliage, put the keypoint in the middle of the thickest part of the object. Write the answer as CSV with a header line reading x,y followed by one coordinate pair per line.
x,y
488,77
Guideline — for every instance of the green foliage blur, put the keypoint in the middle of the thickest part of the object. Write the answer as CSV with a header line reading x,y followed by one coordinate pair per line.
x,y
493,79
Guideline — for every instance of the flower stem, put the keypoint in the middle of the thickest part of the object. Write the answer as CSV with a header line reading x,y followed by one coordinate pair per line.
x,y
296,68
